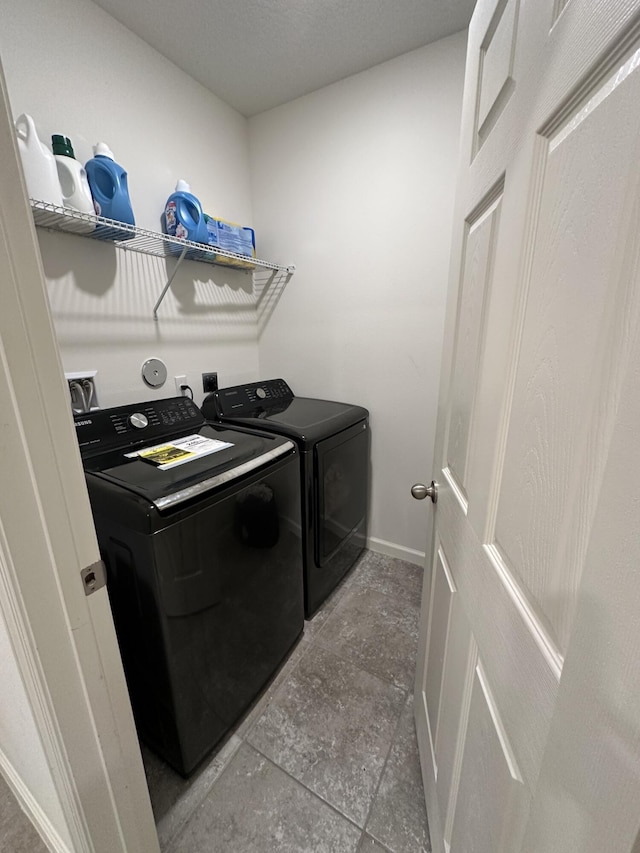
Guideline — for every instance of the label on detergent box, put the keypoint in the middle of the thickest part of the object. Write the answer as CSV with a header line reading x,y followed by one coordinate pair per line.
x,y
212,228
234,238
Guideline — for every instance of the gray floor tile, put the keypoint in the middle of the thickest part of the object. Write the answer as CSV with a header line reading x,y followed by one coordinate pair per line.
x,y
390,576
375,631
263,701
17,833
255,807
370,845
330,726
313,625
398,816
173,798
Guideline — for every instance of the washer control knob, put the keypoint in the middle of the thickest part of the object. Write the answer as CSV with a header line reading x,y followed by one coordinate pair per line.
x,y
138,420
261,393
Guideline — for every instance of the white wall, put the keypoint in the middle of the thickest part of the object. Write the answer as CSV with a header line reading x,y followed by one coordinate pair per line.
x,y
354,183
79,72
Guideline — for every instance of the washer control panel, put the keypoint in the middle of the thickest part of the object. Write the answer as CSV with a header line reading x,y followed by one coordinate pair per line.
x,y
241,400
126,425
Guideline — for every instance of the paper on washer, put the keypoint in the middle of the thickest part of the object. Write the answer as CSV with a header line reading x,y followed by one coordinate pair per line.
x,y
181,450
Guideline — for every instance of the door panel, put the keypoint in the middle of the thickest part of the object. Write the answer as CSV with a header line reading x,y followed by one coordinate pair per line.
x,y
443,593
460,661
523,678
491,802
496,61
556,435
589,789
543,307
469,333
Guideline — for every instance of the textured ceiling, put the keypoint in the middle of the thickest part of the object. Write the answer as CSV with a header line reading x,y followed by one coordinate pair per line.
x,y
257,54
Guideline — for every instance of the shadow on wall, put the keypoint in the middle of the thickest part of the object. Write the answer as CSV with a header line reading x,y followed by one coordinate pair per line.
x,y
94,271
269,286
196,295
103,295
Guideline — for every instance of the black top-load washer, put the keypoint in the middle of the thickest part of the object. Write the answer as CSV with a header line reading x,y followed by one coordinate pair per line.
x,y
199,527
333,440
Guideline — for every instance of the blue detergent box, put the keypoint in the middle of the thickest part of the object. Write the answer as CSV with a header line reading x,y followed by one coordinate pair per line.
x,y
234,238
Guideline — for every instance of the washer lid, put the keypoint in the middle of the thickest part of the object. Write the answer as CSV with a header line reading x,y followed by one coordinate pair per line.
x,y
167,487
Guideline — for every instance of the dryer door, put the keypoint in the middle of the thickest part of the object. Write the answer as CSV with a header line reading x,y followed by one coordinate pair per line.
x,y
342,476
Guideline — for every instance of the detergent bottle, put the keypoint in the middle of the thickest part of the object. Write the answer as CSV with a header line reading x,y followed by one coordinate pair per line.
x,y
73,180
183,216
109,188
38,163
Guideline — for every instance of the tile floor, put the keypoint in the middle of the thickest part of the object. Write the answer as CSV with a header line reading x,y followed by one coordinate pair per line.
x,y
326,760
17,835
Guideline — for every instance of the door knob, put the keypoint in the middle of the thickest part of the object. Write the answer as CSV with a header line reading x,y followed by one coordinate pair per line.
x,y
420,491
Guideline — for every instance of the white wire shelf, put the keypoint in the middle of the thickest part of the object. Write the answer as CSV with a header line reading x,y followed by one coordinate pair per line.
x,y
133,239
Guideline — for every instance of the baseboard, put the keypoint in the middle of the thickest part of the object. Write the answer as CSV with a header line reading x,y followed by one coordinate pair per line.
x,y
29,805
390,549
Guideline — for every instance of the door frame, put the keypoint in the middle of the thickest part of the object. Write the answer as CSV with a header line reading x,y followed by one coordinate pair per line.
x,y
63,641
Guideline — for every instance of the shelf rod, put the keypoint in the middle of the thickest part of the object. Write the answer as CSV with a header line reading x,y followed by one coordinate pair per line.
x,y
168,284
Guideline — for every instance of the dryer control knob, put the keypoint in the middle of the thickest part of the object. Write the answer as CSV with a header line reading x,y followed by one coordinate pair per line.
x,y
261,393
138,420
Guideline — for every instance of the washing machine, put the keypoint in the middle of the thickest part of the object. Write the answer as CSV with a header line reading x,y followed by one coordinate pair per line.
x,y
333,442
199,526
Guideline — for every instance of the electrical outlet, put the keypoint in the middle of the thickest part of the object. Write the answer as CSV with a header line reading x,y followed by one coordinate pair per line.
x,y
180,380
209,382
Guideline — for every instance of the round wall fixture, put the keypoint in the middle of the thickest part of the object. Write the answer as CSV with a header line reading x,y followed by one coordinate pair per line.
x,y
154,372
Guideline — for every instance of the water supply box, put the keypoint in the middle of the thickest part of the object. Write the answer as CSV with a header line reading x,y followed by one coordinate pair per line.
x,y
234,238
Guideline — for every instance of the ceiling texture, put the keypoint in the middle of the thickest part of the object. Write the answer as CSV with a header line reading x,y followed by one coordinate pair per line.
x,y
258,54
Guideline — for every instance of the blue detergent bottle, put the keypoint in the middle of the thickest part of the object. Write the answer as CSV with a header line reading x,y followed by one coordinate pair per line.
x,y
108,183
183,216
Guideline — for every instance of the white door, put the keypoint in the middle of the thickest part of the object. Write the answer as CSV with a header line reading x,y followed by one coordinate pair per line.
x,y
80,776
528,679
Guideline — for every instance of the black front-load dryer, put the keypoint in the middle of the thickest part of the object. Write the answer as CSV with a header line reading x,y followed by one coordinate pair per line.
x,y
333,441
199,527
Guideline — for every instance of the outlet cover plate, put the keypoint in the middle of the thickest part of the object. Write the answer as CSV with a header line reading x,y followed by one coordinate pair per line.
x,y
209,382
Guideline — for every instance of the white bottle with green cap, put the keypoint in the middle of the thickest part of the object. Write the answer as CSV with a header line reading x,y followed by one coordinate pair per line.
x,y
73,181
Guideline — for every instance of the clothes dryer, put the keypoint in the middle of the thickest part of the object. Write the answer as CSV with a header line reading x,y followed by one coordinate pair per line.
x,y
334,446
